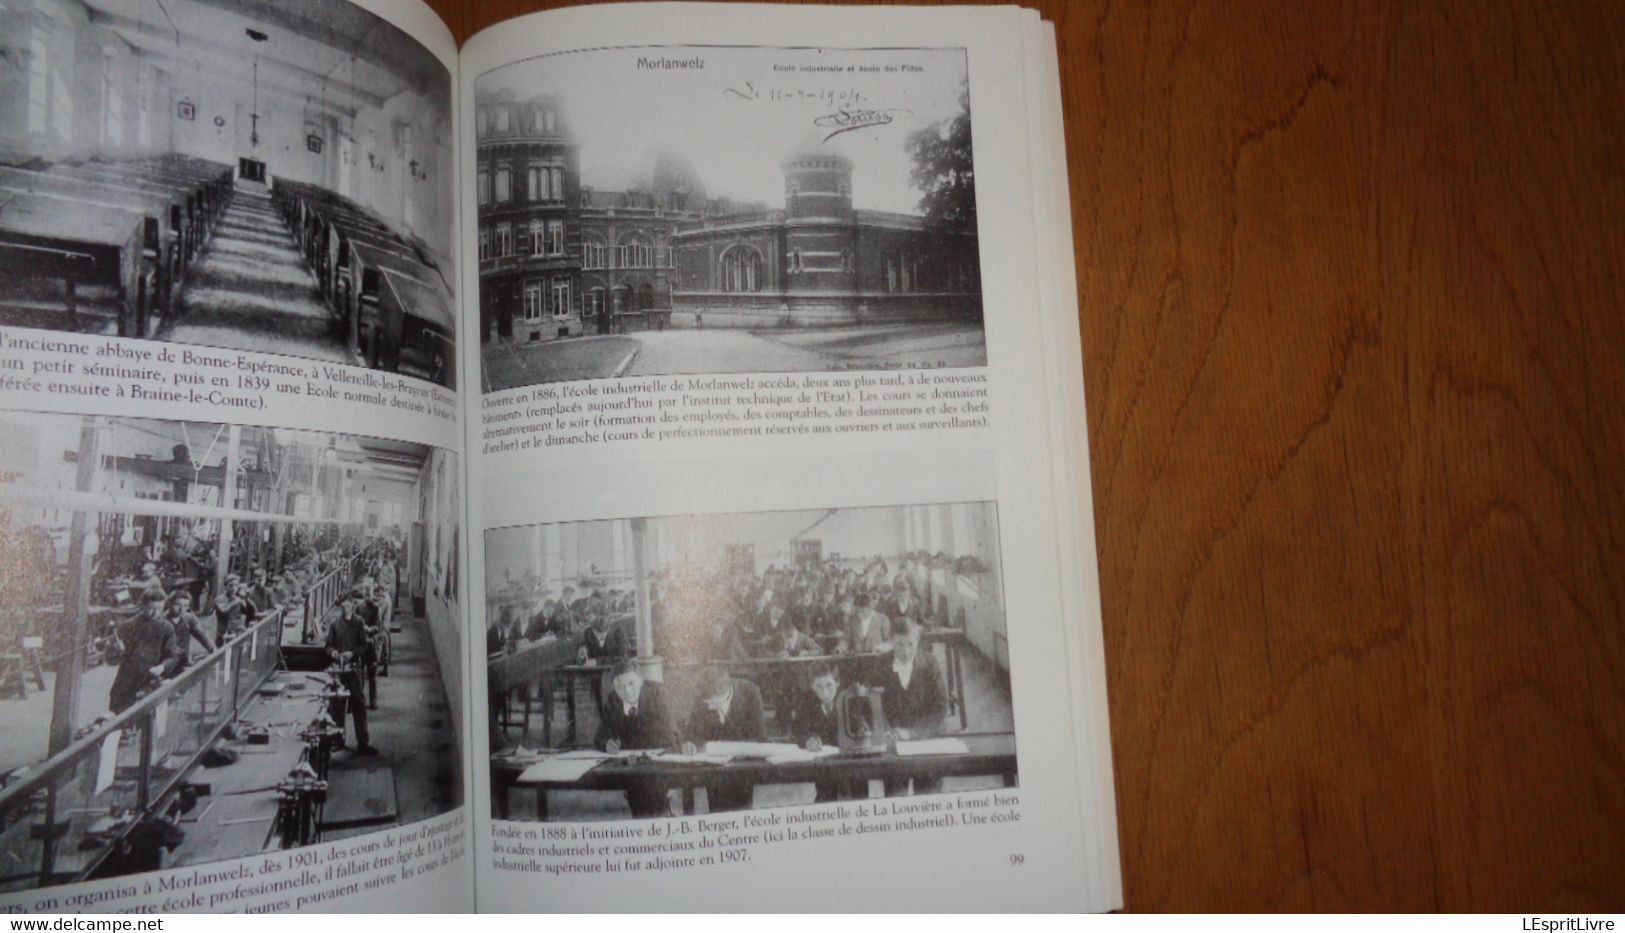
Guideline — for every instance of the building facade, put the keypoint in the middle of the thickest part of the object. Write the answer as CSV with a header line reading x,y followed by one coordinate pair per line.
x,y
528,191
820,260
561,259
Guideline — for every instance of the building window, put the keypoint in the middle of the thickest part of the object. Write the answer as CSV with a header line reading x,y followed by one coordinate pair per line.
x,y
545,182
537,240
795,261
592,255
504,240
504,183
561,296
533,301
484,186
741,270
636,254
502,119
902,271
555,238
482,120
485,243
846,260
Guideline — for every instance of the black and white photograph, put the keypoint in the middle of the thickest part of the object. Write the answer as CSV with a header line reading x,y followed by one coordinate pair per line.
x,y
664,210
237,174
652,667
218,640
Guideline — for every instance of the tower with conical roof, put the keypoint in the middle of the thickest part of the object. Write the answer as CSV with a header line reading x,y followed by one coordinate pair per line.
x,y
817,180
818,234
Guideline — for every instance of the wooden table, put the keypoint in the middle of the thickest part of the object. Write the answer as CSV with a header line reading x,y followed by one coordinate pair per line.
x,y
988,754
1351,301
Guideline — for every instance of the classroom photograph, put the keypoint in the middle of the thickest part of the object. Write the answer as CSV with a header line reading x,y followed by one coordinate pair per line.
x,y
235,174
652,667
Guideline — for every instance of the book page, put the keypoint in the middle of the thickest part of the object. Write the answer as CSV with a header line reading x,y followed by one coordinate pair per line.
x,y
231,459
772,470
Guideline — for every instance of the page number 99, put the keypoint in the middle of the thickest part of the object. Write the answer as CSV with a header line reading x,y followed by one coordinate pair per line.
x,y
1017,859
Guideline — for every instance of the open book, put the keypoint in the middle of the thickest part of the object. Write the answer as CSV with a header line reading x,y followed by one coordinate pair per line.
x,y
629,462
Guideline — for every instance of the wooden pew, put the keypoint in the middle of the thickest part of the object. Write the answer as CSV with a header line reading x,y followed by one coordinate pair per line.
x,y
163,236
206,192
87,252
406,322
389,302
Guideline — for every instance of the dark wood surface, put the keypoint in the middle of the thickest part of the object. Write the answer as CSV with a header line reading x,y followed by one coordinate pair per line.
x,y
1351,282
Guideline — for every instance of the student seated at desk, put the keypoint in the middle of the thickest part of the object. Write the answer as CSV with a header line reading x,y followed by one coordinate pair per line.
x,y
495,641
723,642
602,641
903,603
866,632
815,723
636,717
560,620
539,624
804,612
916,697
727,709
784,640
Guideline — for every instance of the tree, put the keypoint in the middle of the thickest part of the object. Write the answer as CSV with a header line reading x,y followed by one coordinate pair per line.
x,y
943,171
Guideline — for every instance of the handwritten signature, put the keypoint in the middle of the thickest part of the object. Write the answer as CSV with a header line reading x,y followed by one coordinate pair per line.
x,y
845,121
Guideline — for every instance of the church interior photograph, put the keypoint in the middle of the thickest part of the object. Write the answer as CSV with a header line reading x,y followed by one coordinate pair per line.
x,y
240,174
696,664
218,640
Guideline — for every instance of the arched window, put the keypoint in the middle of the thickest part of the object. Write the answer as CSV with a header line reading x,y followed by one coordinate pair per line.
x,y
740,270
592,254
636,252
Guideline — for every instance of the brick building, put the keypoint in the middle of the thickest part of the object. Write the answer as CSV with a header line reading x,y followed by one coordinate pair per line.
x,y
560,259
820,260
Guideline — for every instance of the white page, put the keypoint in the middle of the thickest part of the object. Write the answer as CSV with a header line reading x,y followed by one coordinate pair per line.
x,y
1003,491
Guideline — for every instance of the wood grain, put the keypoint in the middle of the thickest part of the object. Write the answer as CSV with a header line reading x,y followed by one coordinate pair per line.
x,y
1355,361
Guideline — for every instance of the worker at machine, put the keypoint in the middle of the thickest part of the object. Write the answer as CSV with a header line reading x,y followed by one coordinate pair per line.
x,y
350,647
150,653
